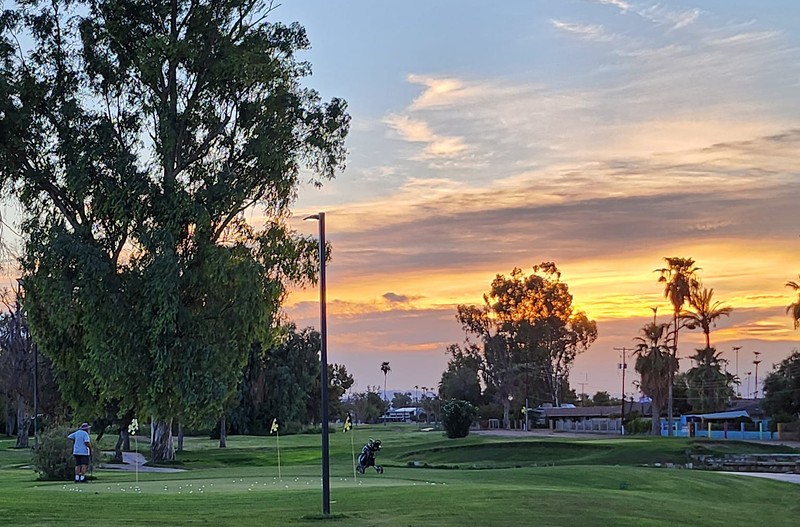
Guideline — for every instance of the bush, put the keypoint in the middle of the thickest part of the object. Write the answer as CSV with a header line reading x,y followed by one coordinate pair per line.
x,y
637,426
780,417
457,417
53,459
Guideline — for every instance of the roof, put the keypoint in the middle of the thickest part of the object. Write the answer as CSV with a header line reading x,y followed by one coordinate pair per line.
x,y
594,411
751,406
583,411
721,416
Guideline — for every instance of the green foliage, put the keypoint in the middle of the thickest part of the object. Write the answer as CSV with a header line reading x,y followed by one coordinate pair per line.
x,y
283,382
53,459
461,380
339,381
601,398
291,369
457,417
709,386
401,400
655,365
782,388
530,334
638,425
144,284
368,406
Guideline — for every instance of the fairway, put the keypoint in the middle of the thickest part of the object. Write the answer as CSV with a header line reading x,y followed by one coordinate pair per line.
x,y
429,480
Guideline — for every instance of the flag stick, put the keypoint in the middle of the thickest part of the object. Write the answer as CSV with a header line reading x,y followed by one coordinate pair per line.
x,y
353,450
277,442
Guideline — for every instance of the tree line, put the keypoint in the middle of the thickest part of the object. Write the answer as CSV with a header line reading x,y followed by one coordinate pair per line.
x,y
522,342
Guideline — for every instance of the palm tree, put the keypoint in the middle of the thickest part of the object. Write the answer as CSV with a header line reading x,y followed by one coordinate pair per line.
x,y
385,368
794,308
705,311
710,387
656,365
679,279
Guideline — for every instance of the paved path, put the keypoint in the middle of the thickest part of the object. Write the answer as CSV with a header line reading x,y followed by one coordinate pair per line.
x,y
133,461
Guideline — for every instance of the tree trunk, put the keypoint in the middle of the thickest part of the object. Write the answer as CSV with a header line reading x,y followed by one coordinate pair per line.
x,y
223,433
8,415
655,428
161,447
506,411
180,436
118,447
670,403
126,440
23,424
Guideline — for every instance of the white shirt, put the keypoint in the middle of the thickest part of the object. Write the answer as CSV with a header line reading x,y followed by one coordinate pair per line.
x,y
81,438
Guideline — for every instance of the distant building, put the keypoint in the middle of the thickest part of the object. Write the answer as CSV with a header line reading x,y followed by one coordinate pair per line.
x,y
400,415
589,418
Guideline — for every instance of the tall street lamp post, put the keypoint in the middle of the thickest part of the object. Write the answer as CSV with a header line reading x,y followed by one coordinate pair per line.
x,y
756,362
323,325
748,384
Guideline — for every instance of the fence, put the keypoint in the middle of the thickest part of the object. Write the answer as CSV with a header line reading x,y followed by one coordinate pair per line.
x,y
598,425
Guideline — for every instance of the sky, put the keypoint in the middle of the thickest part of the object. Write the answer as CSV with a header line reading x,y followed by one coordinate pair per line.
x,y
602,135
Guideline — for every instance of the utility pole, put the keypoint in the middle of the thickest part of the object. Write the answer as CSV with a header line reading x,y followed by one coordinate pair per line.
x,y
738,382
583,391
623,366
756,362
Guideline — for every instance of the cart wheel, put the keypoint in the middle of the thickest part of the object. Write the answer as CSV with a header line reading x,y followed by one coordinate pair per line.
x,y
360,469
379,469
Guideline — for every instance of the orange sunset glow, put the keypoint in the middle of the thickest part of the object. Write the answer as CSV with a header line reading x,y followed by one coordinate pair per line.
x,y
602,136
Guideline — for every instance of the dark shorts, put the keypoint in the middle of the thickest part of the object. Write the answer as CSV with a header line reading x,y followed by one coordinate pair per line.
x,y
81,460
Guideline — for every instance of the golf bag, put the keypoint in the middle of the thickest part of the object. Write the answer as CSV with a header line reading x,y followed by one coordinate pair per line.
x,y
366,458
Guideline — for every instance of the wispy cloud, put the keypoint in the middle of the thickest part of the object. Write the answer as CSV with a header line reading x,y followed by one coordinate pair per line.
x,y
679,137
416,131
620,4
746,38
591,32
670,18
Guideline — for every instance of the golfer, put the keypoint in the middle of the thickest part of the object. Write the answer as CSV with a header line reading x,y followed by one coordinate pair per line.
x,y
82,450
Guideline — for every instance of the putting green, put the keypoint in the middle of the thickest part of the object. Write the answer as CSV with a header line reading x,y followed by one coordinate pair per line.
x,y
200,487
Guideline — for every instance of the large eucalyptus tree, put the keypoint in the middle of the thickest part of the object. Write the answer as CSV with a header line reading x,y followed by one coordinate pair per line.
x,y
530,335
135,134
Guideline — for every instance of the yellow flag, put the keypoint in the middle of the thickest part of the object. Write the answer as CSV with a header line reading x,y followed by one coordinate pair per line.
x,y
347,424
274,427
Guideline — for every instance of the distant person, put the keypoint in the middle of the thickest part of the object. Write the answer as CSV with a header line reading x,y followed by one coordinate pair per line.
x,y
82,450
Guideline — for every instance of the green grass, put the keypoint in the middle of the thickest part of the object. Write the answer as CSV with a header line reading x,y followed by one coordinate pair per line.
x,y
547,482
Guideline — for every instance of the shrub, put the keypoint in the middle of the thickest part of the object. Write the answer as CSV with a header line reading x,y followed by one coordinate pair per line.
x,y
457,417
637,426
53,459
